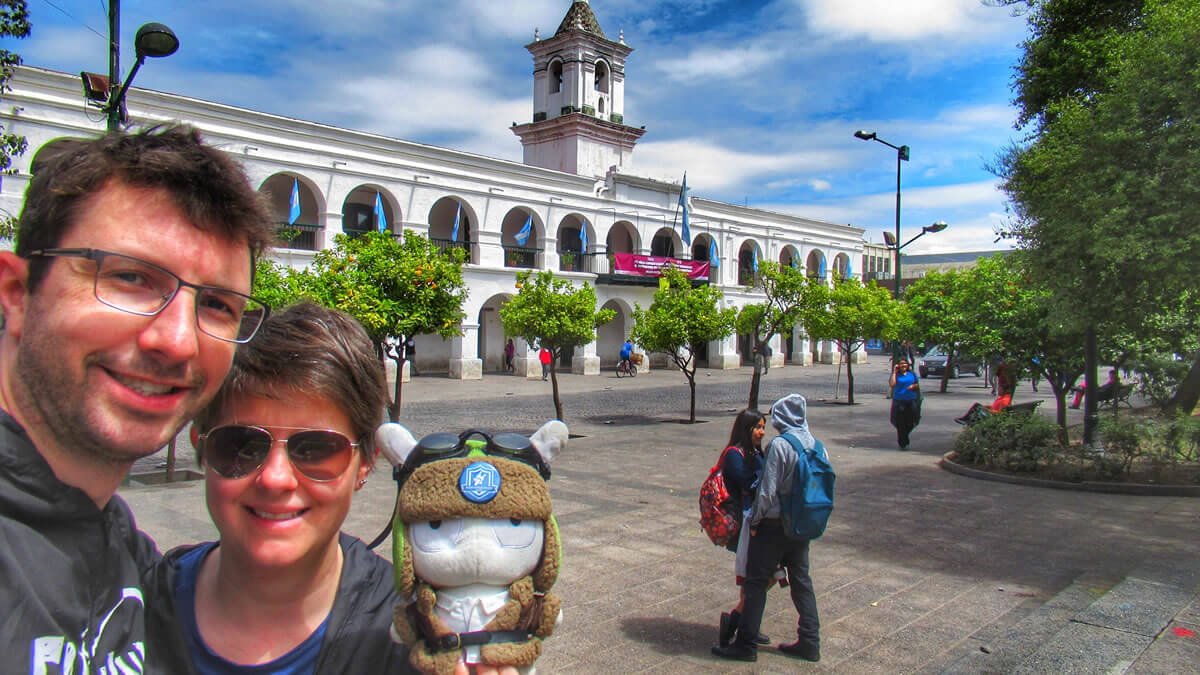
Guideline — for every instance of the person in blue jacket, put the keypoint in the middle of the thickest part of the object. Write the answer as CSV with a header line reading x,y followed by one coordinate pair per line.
x,y
906,402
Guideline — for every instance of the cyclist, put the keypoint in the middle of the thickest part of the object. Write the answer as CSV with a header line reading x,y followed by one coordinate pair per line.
x,y
626,352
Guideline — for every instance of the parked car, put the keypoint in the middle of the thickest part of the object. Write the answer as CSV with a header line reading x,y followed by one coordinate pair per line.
x,y
934,362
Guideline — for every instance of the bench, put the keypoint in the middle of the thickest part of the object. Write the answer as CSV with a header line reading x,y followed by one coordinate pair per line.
x,y
1026,408
1113,397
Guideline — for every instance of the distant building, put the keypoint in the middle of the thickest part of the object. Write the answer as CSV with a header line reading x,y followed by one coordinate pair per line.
x,y
878,260
574,205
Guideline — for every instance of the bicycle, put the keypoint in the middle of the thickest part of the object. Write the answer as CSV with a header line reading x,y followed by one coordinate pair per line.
x,y
626,367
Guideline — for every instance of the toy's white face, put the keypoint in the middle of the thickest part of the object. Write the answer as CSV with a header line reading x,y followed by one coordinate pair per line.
x,y
462,551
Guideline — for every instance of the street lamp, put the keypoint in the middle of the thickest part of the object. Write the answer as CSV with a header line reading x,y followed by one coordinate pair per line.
x,y
153,40
901,156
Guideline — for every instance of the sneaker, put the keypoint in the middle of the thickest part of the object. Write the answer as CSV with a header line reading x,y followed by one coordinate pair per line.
x,y
802,650
727,628
736,652
762,639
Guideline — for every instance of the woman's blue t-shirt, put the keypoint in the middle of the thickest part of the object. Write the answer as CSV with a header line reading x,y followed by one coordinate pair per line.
x,y
300,661
901,392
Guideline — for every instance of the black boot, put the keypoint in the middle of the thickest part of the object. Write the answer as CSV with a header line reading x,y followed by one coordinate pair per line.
x,y
729,624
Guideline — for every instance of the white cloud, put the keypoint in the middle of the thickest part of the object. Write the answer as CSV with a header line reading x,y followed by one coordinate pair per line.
x,y
713,168
715,63
905,21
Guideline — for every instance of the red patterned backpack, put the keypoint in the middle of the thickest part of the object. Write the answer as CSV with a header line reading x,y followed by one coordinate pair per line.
x,y
719,516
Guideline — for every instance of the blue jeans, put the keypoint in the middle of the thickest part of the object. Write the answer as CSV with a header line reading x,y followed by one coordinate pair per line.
x,y
770,548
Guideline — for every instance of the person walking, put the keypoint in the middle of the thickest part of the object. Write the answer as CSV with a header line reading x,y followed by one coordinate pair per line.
x,y
905,388
410,354
545,357
509,351
770,547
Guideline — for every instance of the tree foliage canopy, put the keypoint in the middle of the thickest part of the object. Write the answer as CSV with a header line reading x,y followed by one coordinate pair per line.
x,y
680,321
555,314
787,295
849,314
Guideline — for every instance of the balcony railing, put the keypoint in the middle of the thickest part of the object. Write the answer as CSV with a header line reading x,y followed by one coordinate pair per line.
x,y
297,236
447,245
518,256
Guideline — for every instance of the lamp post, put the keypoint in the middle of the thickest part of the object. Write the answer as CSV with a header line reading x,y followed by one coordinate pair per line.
x,y
153,40
901,156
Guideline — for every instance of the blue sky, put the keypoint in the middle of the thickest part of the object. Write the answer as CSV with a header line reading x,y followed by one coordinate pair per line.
x,y
757,100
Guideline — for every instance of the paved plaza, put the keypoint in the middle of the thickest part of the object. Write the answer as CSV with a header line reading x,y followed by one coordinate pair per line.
x,y
920,571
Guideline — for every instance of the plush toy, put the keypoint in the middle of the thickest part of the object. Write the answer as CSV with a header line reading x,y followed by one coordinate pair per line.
x,y
475,546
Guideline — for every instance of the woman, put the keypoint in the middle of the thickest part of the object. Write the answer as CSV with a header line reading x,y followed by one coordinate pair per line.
x,y
906,401
740,468
285,444
510,350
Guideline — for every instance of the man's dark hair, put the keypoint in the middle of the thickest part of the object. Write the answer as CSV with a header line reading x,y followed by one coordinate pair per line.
x,y
205,184
314,351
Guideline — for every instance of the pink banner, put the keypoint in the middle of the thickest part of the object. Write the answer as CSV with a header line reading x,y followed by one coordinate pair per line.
x,y
652,265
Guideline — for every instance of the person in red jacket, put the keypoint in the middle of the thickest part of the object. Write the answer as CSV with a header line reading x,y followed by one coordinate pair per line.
x,y
545,357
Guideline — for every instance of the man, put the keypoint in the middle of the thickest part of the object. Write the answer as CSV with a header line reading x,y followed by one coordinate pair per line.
x,y
770,548
410,354
123,303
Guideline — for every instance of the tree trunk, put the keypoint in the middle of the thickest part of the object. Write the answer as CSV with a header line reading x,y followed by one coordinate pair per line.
x,y
394,409
1188,395
849,377
690,374
558,407
755,379
170,476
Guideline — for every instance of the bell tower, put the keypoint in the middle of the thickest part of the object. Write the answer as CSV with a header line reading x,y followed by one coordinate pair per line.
x,y
578,99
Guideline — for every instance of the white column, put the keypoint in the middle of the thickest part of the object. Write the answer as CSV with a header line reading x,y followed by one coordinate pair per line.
x,y
722,354
587,363
465,363
829,352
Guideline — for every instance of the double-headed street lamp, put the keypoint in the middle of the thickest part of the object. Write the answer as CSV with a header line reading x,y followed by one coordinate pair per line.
x,y
901,156
153,40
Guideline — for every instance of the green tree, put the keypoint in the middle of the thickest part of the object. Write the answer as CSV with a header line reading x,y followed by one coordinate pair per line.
x,y
1105,193
393,287
555,314
278,285
852,313
14,22
786,292
936,305
680,321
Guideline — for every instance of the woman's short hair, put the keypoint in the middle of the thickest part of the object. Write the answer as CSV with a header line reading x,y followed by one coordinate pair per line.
x,y
314,351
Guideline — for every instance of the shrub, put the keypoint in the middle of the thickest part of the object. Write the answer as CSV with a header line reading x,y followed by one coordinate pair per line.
x,y
1011,442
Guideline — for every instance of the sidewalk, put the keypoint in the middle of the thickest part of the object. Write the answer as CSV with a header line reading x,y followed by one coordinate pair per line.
x,y
920,571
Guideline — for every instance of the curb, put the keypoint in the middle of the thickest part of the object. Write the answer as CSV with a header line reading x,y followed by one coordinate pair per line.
x,y
1137,489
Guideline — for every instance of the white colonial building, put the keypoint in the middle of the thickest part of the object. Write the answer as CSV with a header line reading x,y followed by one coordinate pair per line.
x,y
575,186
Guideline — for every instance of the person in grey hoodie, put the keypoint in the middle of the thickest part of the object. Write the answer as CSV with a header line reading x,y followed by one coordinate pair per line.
x,y
770,548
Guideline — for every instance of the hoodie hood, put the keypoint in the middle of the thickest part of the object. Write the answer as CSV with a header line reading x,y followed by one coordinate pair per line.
x,y
790,414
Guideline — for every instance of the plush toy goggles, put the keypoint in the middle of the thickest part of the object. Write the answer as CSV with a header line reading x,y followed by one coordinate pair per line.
x,y
445,445
237,450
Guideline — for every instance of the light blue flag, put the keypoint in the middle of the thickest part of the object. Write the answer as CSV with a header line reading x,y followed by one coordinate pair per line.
x,y
457,218
583,242
754,261
794,264
683,203
821,269
849,269
380,216
294,213
713,259
526,230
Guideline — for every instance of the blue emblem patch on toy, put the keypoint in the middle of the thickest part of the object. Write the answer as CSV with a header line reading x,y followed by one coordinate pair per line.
x,y
479,482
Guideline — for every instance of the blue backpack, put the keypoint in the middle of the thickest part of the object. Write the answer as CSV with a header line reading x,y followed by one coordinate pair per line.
x,y
805,511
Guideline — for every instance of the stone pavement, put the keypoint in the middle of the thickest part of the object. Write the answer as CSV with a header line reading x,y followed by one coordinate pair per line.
x,y
920,571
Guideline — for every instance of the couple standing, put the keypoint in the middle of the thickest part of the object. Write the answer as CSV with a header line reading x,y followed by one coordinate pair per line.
x,y
760,486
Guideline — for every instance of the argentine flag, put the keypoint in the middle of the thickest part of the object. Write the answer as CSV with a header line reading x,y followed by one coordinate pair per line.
x,y
754,260
526,230
683,203
583,242
457,218
294,213
713,259
380,216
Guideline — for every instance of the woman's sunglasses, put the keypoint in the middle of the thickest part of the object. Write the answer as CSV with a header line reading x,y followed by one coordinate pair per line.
x,y
238,450
445,445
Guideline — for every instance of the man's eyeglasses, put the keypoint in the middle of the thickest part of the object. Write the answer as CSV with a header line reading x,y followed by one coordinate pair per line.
x,y
139,287
237,450
445,445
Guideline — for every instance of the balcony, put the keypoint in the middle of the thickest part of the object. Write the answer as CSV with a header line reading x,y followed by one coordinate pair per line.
x,y
519,256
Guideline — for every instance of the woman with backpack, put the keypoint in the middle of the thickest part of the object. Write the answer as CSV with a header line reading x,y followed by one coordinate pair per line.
x,y
741,467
